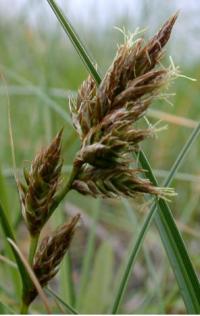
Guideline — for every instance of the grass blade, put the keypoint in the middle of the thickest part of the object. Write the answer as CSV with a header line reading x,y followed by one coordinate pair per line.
x,y
5,202
68,307
70,281
86,266
9,234
174,245
6,309
99,287
4,216
171,239
32,277
81,50
39,92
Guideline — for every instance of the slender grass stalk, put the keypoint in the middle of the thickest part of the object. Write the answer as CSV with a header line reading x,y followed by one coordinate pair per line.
x,y
47,101
5,309
33,278
68,307
72,292
131,260
67,187
5,203
171,238
148,260
86,267
25,278
81,50
9,234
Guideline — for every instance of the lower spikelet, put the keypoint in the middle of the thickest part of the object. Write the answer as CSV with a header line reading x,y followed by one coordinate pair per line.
x,y
41,185
50,254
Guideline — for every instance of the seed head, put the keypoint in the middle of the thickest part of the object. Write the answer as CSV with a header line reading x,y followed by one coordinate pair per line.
x,y
116,182
41,185
82,110
50,254
104,116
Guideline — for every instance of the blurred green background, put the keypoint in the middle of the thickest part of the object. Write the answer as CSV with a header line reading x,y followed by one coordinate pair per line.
x,y
39,70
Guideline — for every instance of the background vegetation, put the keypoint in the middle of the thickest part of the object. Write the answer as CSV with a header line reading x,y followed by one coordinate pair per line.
x,y
41,69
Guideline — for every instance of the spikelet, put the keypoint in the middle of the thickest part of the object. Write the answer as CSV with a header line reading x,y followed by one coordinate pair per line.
x,y
50,254
115,182
41,185
104,117
82,111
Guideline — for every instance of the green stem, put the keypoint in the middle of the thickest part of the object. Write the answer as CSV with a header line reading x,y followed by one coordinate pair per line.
x,y
131,261
24,309
67,187
33,247
81,50
72,292
69,307
87,260
9,234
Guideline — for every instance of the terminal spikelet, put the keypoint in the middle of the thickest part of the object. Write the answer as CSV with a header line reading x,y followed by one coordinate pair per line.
x,y
104,117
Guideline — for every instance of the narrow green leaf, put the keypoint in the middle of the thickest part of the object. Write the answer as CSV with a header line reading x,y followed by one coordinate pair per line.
x,y
68,307
47,101
183,269
174,245
4,198
9,234
6,309
66,288
98,291
81,50
3,192
90,249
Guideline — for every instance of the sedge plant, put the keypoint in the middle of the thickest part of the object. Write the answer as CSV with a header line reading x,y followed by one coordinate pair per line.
x,y
105,115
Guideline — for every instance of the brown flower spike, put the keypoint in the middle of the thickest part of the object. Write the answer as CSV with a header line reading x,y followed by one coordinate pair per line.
x,y
50,254
104,118
41,185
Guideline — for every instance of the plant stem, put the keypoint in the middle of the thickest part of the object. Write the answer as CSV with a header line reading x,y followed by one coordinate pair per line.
x,y
72,291
9,234
69,308
67,187
33,247
81,50
131,261
24,308
87,260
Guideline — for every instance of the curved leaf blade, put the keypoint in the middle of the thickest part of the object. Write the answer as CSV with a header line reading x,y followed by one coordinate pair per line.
x,y
9,234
